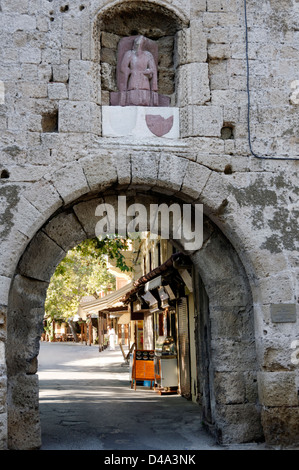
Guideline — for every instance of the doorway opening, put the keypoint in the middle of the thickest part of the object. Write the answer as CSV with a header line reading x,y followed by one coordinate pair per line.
x,y
218,371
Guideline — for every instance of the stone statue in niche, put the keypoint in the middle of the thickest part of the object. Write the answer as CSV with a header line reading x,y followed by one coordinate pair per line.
x,y
137,74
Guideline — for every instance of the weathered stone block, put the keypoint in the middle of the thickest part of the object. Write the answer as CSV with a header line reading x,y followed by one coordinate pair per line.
x,y
14,6
218,82
210,146
60,73
219,35
226,97
27,348
229,147
216,199
109,40
20,22
213,19
2,356
195,179
57,91
34,124
108,56
70,182
105,98
34,89
205,121
3,431
71,40
144,169
83,80
281,425
51,56
3,314
108,78
23,424
27,299
42,24
99,170
85,211
178,166
225,352
4,289
229,388
191,44
221,5
233,298
277,289
30,55
166,81
11,250
166,50
231,322
278,388
193,84
123,168
251,387
47,255
65,230
79,116
44,197
276,353
30,72
69,54
196,8
27,217
239,423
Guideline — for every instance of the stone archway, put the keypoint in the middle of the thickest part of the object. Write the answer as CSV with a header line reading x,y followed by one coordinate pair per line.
x,y
231,393
252,202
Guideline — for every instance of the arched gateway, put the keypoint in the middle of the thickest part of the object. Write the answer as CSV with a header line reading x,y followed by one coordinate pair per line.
x,y
226,351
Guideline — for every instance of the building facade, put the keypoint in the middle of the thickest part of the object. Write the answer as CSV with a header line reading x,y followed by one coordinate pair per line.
x,y
226,138
161,302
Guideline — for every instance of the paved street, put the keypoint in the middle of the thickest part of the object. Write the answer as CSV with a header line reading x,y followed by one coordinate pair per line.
x,y
86,403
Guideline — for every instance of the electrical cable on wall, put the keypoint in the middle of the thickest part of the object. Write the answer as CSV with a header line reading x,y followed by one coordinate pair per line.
x,y
248,101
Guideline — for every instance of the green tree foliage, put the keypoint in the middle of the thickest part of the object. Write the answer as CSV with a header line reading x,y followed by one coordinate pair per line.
x,y
110,246
83,272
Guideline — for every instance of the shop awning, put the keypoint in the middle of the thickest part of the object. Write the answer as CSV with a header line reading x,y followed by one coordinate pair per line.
x,y
153,278
112,300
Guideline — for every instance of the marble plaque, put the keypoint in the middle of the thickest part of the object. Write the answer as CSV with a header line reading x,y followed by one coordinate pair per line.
x,y
142,122
283,313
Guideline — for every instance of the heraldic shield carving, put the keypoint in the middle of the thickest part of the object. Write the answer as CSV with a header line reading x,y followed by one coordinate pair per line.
x,y
159,125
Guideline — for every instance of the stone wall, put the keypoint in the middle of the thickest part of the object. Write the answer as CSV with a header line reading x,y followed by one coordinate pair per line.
x,y
55,80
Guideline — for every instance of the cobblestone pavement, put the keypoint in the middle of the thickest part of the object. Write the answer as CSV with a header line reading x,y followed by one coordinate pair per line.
x,y
86,403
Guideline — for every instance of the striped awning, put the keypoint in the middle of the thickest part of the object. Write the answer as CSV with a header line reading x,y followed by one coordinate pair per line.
x,y
112,300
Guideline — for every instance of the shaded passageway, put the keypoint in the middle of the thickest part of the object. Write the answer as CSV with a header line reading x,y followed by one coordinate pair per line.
x,y
86,403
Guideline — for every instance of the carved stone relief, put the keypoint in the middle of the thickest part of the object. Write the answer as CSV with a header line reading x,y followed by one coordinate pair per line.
x,y
137,74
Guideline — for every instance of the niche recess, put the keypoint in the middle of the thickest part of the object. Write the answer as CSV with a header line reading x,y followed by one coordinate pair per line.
x,y
133,18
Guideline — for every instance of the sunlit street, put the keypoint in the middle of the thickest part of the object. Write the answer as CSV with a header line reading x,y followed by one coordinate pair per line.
x,y
86,402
